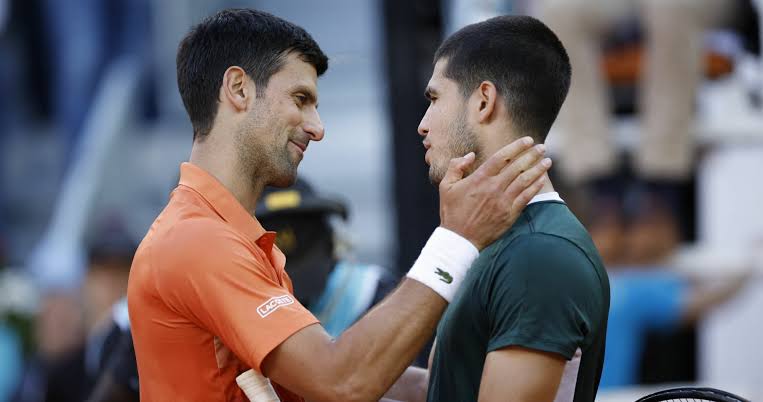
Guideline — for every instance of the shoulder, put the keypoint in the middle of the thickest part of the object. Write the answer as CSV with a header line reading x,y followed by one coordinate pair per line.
x,y
548,252
195,237
545,263
191,246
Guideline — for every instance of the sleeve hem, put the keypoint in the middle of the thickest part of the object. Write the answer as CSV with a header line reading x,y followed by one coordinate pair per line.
x,y
536,344
262,350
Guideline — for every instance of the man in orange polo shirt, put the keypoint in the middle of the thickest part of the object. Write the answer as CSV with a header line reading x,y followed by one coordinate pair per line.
x,y
208,294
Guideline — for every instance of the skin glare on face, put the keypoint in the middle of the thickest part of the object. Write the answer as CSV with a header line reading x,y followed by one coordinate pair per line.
x,y
444,126
282,123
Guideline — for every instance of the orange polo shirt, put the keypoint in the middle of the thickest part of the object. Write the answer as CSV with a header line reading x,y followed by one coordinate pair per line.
x,y
208,296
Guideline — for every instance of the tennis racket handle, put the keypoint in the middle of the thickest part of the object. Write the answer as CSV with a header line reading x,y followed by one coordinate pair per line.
x,y
256,387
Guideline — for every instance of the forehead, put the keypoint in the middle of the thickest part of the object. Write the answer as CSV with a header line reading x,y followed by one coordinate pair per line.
x,y
294,73
439,82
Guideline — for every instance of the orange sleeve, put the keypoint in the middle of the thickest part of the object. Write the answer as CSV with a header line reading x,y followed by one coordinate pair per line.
x,y
211,276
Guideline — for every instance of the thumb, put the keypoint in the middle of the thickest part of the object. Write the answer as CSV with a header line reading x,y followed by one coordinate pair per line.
x,y
456,169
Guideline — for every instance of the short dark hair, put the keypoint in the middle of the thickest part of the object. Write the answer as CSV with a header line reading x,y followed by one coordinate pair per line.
x,y
522,57
256,41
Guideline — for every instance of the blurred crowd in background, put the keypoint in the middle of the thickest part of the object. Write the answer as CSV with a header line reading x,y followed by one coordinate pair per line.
x,y
658,148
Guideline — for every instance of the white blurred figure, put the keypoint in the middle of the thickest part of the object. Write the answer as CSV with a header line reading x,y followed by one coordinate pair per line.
x,y
673,31
650,229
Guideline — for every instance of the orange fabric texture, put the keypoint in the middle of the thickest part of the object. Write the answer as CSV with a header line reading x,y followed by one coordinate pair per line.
x,y
208,296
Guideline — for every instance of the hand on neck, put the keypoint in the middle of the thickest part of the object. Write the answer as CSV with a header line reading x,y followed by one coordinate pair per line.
x,y
493,138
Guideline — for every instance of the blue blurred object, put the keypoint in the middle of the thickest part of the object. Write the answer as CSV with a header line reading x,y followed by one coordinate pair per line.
x,y
11,362
351,290
642,299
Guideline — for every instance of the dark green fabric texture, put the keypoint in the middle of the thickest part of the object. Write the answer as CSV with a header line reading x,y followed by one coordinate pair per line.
x,y
541,286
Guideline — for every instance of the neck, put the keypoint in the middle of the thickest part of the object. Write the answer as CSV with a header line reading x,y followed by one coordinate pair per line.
x,y
497,139
548,187
222,162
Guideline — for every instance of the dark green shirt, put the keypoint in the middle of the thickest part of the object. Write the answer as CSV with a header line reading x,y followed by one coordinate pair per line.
x,y
541,286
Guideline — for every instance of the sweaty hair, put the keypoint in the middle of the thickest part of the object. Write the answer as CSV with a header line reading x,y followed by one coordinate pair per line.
x,y
256,41
525,61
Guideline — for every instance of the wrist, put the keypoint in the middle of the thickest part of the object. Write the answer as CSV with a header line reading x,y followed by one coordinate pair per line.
x,y
463,235
444,262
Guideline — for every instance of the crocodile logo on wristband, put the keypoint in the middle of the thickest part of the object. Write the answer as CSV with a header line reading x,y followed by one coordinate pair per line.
x,y
444,276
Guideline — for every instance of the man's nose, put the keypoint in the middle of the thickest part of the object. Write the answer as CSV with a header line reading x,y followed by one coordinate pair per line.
x,y
423,128
314,127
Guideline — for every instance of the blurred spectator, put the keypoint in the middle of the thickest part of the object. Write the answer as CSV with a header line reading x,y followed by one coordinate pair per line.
x,y
117,379
663,161
110,256
18,304
336,290
85,61
56,373
72,328
653,299
84,37
4,123
99,53
77,32
3,14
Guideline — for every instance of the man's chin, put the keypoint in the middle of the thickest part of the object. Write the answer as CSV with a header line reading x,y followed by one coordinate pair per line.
x,y
435,177
286,179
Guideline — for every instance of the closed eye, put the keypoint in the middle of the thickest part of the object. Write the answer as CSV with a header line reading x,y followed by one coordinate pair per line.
x,y
430,95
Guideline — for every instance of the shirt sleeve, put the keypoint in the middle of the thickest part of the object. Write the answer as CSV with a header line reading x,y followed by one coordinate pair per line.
x,y
217,281
543,294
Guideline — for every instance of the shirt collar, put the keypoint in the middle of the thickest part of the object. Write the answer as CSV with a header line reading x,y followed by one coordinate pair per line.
x,y
550,196
225,204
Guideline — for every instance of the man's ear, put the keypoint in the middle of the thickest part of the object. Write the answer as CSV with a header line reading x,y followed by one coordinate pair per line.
x,y
237,88
487,101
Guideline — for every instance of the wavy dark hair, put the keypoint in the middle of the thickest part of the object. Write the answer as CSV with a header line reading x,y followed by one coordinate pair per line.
x,y
254,40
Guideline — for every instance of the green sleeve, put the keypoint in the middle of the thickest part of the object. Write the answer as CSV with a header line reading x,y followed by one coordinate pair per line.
x,y
542,293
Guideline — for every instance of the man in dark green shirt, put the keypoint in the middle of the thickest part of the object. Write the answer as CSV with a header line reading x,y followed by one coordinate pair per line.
x,y
542,288
530,322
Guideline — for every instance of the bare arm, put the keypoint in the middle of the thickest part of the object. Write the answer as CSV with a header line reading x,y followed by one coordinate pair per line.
x,y
516,374
411,386
702,297
367,359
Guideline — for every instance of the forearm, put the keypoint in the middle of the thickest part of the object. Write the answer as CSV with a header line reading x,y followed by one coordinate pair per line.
x,y
411,386
704,297
374,352
367,358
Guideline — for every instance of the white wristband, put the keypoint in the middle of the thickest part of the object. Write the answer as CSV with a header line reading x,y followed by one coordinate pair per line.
x,y
443,262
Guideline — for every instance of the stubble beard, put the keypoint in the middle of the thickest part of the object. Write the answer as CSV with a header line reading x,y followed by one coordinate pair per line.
x,y
461,141
285,164
261,156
